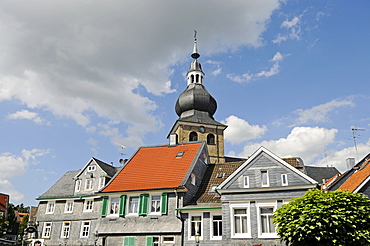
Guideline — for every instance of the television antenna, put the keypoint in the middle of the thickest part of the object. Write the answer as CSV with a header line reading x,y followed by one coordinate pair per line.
x,y
354,136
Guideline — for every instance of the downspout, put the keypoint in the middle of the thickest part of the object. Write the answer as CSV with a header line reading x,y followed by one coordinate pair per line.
x,y
179,217
218,146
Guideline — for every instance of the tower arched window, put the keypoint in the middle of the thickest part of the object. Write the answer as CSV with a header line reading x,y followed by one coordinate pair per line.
x,y
192,78
193,136
197,78
210,139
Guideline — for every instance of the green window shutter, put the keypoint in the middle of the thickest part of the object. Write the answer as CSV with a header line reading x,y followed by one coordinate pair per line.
x,y
122,205
104,206
129,241
143,204
149,241
164,203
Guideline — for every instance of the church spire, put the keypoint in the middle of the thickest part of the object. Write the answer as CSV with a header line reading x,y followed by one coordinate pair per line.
x,y
195,54
195,73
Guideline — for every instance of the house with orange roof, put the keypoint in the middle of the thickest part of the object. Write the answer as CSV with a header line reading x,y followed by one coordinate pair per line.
x,y
356,179
139,205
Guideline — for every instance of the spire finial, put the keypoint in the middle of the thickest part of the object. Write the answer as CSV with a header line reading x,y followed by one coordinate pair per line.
x,y
195,54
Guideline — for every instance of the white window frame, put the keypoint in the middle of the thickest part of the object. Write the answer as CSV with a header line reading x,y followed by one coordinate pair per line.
x,y
129,205
260,205
50,208
65,226
83,229
246,184
69,206
286,179
47,229
78,185
89,185
212,237
190,237
267,179
91,168
240,206
101,182
90,207
171,242
158,202
116,206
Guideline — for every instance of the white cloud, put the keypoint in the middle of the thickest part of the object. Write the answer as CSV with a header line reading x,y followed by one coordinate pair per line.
x,y
320,112
12,165
239,130
273,70
337,158
217,66
25,114
294,29
305,142
92,56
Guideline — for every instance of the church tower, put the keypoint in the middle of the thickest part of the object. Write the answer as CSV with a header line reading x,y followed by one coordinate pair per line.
x,y
195,108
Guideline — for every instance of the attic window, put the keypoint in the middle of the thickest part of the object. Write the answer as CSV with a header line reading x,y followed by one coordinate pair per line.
x,y
220,175
180,154
91,168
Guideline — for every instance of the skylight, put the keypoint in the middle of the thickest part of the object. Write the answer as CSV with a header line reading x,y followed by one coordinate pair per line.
x,y
180,154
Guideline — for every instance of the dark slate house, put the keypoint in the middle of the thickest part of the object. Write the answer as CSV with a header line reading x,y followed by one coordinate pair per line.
x,y
68,212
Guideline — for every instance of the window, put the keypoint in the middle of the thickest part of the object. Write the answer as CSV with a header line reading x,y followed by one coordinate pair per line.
x,y
50,208
284,179
240,222
114,205
101,182
192,176
66,228
196,226
246,181
168,240
85,228
180,154
193,136
91,168
88,205
211,139
220,175
47,230
89,185
152,241
266,220
155,204
264,178
69,207
216,227
78,185
129,241
133,205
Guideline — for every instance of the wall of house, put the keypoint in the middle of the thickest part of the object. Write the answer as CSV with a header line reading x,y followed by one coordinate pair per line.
x,y
75,218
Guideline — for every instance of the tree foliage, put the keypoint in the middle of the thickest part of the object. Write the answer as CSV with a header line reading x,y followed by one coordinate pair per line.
x,y
23,225
318,218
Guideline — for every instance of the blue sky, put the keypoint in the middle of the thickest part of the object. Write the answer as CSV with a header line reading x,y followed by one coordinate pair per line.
x,y
80,78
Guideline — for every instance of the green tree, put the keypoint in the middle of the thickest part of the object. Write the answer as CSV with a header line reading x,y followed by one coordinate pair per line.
x,y
4,225
23,225
318,218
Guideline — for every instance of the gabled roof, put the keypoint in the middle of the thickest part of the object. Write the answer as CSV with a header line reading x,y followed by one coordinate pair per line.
x,y
320,173
278,159
214,176
156,167
108,169
358,179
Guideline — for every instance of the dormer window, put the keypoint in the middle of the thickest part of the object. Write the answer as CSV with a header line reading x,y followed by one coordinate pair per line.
x,y
220,175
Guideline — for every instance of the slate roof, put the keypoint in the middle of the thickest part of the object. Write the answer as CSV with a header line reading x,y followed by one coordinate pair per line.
x,y
320,173
156,167
64,187
214,176
109,169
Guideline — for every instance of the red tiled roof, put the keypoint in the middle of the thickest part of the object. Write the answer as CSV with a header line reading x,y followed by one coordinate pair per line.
x,y
155,168
356,178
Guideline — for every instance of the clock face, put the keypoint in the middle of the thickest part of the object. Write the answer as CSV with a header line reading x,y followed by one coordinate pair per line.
x,y
201,129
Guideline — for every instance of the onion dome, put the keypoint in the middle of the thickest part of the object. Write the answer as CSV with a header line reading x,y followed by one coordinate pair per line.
x,y
195,100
